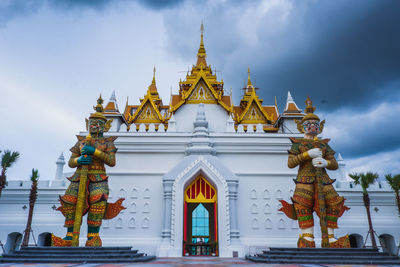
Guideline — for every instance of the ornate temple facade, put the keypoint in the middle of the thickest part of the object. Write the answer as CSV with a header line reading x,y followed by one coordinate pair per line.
x,y
199,170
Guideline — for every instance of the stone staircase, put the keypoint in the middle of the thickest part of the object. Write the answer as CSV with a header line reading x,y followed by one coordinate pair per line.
x,y
325,256
75,255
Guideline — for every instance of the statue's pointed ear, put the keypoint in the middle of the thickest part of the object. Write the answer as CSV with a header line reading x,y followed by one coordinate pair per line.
x,y
321,126
299,126
108,125
87,124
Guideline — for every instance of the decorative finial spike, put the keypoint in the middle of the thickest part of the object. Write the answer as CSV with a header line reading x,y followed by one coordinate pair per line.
x,y
276,103
289,97
154,75
113,98
248,78
201,54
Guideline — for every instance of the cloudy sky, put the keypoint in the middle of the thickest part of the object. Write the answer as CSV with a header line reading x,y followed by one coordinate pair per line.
x,y
57,56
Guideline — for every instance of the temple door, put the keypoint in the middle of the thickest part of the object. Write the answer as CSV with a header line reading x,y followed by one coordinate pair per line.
x,y
200,235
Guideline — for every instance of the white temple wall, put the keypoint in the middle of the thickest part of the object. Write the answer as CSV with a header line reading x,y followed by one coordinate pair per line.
x,y
215,114
259,162
140,223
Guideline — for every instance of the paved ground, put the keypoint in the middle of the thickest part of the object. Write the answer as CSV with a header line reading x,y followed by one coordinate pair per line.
x,y
189,261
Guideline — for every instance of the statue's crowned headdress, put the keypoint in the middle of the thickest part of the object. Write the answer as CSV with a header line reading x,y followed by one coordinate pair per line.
x,y
309,116
98,114
99,110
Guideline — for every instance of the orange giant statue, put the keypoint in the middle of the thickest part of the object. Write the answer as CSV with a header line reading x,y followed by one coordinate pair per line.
x,y
314,190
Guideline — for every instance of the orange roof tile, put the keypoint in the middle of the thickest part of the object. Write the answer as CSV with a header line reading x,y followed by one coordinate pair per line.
x,y
271,110
175,99
111,108
292,107
226,99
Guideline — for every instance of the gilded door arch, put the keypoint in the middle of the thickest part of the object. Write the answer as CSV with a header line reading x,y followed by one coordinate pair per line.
x,y
200,225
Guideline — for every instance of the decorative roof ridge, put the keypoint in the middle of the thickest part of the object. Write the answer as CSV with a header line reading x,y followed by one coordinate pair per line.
x,y
112,106
201,75
291,106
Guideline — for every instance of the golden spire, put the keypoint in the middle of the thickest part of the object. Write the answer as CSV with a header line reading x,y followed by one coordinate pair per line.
x,y
154,75
153,86
248,78
201,54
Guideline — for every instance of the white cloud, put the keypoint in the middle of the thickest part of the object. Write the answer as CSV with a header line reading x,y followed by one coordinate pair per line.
x,y
267,17
373,132
54,65
382,163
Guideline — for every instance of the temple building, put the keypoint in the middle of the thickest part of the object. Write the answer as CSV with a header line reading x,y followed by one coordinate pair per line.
x,y
199,170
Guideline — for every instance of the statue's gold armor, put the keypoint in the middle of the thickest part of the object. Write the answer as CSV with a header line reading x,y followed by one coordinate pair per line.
x,y
97,187
305,195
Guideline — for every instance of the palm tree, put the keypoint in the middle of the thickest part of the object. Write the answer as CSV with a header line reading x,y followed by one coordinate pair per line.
x,y
365,180
7,160
32,200
394,182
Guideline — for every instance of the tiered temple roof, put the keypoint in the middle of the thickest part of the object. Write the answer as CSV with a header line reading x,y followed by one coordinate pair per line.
x,y
202,86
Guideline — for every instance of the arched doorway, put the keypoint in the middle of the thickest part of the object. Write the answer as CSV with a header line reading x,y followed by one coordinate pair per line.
x,y
44,239
356,241
200,226
13,242
388,244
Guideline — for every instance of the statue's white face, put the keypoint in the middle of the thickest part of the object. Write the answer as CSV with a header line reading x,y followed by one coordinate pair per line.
x,y
96,126
311,127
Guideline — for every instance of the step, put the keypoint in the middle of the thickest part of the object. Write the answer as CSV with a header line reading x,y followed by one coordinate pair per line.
x,y
76,248
325,249
71,251
324,257
75,255
75,260
322,261
80,256
318,253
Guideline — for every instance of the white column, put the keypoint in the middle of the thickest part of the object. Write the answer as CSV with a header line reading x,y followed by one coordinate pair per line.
x,y
233,190
166,231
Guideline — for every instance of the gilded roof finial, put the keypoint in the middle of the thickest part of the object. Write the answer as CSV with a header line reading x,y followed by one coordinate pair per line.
x,y
154,75
248,78
153,87
201,54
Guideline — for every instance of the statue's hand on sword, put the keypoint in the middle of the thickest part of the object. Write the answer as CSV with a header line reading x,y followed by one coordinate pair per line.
x,y
85,160
319,162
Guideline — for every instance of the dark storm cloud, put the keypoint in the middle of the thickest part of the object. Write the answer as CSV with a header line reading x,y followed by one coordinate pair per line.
x,y
343,54
160,4
356,135
12,9
351,58
15,8
351,61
